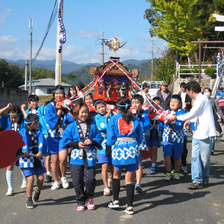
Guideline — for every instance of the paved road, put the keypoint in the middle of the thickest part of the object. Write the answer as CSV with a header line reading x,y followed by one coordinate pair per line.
x,y
160,201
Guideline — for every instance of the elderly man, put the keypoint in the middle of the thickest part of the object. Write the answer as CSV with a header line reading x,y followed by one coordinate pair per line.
x,y
204,134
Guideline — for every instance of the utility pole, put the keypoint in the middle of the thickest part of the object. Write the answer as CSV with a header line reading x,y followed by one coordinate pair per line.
x,y
103,41
30,76
152,62
26,67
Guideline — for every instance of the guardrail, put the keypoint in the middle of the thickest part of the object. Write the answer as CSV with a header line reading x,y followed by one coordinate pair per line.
x,y
191,68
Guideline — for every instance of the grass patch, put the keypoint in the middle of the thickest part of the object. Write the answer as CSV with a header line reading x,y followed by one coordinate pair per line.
x,y
44,99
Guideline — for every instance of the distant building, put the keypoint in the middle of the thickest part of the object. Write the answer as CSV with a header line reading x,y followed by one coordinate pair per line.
x,y
44,86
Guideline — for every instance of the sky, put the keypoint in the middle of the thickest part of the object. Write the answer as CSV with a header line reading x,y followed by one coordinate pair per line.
x,y
84,22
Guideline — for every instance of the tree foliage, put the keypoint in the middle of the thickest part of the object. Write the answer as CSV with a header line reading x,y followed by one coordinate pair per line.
x,y
165,66
181,21
11,75
42,74
14,76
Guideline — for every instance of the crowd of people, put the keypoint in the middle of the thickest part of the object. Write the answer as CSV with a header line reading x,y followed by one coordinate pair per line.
x,y
92,132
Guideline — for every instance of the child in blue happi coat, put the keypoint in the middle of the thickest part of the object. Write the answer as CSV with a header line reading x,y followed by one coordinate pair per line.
x,y
104,157
137,103
125,134
84,138
33,101
57,119
34,144
173,139
153,139
13,121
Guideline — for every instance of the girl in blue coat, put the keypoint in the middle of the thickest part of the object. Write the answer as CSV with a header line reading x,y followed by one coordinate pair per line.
x,y
84,138
14,121
57,119
124,132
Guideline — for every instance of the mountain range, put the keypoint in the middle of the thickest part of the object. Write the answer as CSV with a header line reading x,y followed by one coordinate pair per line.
x,y
67,66
81,71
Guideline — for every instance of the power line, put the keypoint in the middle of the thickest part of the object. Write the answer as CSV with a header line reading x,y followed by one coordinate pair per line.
x,y
53,15
88,47
11,80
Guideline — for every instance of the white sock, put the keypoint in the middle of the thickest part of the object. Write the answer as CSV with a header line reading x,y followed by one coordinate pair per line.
x,y
9,178
153,164
49,173
23,175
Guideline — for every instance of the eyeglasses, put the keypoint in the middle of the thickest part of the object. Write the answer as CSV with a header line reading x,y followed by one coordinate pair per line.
x,y
165,85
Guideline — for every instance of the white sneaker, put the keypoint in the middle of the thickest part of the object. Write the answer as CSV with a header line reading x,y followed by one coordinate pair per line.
x,y
24,183
64,182
109,182
106,191
55,186
9,192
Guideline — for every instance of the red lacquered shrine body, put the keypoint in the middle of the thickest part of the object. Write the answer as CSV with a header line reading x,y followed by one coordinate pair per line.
x,y
114,82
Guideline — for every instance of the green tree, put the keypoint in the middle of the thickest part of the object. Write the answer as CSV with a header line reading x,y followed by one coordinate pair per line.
x,y
11,75
177,22
207,7
70,77
42,74
165,66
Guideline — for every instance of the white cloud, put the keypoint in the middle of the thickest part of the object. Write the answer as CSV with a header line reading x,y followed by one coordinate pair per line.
x,y
8,39
10,48
144,37
4,15
88,34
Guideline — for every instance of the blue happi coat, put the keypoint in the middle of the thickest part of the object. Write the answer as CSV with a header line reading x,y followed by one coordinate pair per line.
x,y
124,152
28,162
39,111
6,123
51,118
71,134
101,123
178,133
144,122
42,124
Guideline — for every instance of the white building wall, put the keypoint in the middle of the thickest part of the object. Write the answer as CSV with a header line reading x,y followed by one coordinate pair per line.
x,y
40,91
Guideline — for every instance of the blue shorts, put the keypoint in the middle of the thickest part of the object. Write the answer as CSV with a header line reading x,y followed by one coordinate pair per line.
x,y
104,158
31,171
153,143
173,149
129,168
53,145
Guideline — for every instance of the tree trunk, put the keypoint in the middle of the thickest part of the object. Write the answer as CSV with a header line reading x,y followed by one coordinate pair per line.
x,y
196,56
189,61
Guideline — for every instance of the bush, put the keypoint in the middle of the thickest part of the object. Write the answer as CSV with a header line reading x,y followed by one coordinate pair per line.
x,y
210,71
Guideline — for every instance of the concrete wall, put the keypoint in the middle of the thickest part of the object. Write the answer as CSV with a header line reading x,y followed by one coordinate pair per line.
x,y
175,87
16,97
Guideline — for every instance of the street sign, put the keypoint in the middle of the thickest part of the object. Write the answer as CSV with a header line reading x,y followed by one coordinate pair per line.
x,y
219,28
218,17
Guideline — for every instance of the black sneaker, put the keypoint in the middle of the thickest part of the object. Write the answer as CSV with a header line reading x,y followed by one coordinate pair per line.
x,y
129,210
48,179
114,204
29,204
36,195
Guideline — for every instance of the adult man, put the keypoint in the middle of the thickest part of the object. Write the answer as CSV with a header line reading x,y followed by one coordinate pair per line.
x,y
145,89
164,95
203,138
186,100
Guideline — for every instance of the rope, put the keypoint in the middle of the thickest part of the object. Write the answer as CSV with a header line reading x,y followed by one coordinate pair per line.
x,y
93,83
